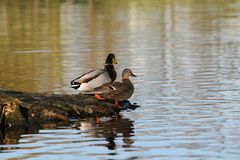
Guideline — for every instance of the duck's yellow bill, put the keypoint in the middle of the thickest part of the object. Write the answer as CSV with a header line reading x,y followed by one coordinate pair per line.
x,y
114,61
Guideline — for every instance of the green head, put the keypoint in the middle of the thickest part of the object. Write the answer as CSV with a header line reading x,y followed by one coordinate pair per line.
x,y
111,59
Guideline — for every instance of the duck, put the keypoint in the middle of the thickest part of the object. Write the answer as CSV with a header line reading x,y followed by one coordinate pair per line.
x,y
87,82
117,91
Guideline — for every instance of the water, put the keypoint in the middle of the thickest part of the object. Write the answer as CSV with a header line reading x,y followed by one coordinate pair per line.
x,y
186,56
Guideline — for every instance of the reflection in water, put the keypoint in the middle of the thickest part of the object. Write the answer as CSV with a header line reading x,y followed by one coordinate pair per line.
x,y
12,134
51,140
30,45
185,53
110,130
45,43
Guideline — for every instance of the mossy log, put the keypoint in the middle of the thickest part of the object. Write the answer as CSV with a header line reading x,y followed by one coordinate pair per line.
x,y
22,108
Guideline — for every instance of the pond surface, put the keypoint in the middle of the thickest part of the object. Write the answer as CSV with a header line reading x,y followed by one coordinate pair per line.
x,y
186,54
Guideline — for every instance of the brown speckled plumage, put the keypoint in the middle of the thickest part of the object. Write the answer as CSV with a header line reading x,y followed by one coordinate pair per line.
x,y
119,90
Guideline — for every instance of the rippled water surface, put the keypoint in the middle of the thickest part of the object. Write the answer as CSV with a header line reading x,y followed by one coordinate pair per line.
x,y
186,54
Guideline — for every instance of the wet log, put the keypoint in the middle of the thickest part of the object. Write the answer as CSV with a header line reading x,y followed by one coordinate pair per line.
x,y
23,108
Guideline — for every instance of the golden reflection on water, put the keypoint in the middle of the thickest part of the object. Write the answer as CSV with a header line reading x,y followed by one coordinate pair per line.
x,y
44,44
30,56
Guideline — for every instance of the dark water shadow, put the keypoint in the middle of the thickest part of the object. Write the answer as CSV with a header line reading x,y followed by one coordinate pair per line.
x,y
127,105
11,135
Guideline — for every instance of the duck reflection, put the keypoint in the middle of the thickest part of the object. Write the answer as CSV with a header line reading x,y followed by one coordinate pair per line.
x,y
110,129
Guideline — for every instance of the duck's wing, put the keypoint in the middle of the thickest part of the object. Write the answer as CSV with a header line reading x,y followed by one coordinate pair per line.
x,y
119,91
108,87
104,88
85,78
91,80
113,90
100,80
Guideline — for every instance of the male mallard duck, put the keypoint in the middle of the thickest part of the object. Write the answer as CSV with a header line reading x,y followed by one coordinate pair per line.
x,y
95,78
118,91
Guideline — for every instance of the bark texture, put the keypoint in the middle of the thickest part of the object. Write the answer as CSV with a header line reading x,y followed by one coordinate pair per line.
x,y
26,109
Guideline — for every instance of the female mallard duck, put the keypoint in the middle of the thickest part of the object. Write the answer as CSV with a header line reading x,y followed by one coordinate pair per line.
x,y
118,91
95,78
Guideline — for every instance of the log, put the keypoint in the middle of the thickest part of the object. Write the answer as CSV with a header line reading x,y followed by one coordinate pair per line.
x,y
27,109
